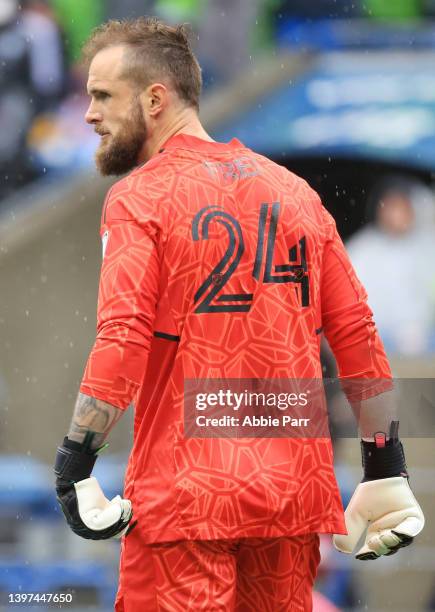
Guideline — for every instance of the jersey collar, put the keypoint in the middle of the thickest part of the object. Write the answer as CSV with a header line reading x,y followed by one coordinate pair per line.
x,y
193,143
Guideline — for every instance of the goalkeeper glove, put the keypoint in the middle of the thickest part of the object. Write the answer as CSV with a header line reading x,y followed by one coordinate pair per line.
x,y
383,505
86,509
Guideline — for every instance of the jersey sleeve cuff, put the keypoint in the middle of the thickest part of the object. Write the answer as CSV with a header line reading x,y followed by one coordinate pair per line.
x,y
121,401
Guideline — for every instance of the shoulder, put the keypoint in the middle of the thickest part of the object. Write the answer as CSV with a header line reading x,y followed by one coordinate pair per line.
x,y
293,183
135,196
299,197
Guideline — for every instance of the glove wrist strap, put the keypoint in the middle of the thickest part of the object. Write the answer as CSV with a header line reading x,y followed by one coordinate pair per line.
x,y
74,461
383,458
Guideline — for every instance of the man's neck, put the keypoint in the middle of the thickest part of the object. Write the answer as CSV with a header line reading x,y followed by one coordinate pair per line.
x,y
187,122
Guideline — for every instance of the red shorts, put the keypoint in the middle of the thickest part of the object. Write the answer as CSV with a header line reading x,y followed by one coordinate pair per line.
x,y
267,574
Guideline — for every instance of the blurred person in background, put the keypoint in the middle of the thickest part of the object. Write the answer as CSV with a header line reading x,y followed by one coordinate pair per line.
x,y
221,523
16,99
32,81
46,53
56,30
393,257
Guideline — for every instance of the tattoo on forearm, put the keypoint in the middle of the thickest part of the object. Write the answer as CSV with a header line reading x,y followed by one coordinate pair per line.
x,y
91,414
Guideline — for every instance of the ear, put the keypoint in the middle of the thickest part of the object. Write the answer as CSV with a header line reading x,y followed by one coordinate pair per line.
x,y
154,99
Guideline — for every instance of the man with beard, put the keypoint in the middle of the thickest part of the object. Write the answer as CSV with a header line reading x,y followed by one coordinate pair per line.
x,y
217,264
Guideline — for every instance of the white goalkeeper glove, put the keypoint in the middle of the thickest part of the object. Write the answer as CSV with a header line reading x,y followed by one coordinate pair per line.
x,y
383,505
99,514
88,512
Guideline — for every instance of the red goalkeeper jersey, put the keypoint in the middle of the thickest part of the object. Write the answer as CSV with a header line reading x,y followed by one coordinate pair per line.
x,y
219,263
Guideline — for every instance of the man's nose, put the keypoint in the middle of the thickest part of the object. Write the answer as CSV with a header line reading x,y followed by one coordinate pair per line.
x,y
92,114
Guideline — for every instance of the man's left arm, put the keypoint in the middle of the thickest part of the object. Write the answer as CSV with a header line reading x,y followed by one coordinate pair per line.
x,y
383,507
128,293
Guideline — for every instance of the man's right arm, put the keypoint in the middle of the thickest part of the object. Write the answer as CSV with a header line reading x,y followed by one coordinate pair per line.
x,y
128,293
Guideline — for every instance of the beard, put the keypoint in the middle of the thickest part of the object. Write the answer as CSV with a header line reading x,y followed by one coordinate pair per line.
x,y
121,153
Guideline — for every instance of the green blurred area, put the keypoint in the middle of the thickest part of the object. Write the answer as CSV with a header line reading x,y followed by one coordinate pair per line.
x,y
77,18
180,10
393,9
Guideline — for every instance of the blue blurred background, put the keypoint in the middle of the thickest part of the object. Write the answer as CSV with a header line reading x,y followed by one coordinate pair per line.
x,y
341,92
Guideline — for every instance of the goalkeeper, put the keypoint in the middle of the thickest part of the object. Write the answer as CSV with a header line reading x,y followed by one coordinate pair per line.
x,y
217,263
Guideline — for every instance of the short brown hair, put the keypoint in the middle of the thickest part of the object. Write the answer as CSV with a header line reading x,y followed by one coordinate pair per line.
x,y
155,51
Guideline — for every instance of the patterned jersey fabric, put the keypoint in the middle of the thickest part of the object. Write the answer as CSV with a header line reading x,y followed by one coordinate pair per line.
x,y
267,574
219,263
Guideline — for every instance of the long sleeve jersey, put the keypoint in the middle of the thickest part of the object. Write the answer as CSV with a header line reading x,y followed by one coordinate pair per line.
x,y
219,263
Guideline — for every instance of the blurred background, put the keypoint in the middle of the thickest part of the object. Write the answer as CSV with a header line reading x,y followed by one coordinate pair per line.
x,y
342,93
